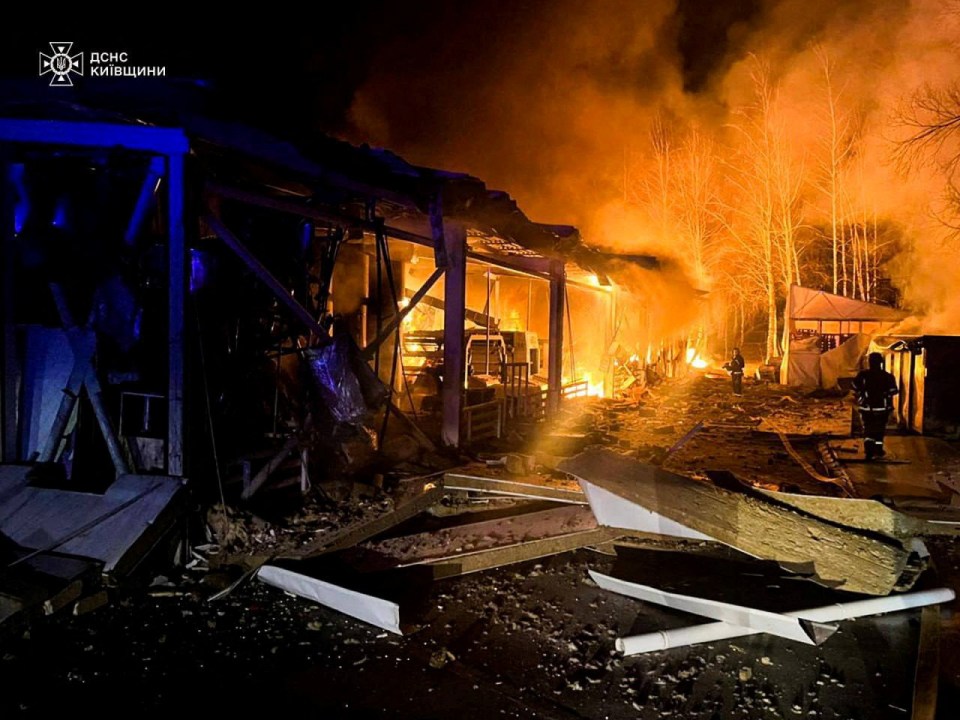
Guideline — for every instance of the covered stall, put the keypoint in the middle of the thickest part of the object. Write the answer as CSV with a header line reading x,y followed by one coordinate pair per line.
x,y
828,335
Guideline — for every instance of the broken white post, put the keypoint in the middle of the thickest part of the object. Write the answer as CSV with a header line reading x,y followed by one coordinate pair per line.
x,y
376,611
713,632
791,627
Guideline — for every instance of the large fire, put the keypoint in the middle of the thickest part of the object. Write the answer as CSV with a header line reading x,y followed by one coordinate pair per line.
x,y
594,389
759,161
694,360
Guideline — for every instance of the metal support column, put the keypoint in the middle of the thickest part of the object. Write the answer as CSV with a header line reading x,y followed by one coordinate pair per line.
x,y
558,293
9,362
176,294
454,306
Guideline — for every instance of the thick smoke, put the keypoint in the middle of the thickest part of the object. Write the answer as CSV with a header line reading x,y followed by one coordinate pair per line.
x,y
548,99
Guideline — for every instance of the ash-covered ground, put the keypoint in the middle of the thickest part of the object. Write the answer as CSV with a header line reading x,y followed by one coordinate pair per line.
x,y
532,640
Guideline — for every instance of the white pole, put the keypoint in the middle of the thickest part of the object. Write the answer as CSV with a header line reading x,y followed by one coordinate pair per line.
x,y
791,627
711,632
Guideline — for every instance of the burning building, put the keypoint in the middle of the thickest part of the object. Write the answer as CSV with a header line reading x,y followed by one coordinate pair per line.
x,y
200,299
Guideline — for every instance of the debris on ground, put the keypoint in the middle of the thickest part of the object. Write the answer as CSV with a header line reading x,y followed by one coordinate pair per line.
x,y
489,574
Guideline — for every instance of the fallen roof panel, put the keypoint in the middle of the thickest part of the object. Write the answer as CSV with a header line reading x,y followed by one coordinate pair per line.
x,y
839,556
108,527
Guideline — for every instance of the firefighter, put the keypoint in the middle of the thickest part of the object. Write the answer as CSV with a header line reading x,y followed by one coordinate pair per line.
x,y
874,388
735,368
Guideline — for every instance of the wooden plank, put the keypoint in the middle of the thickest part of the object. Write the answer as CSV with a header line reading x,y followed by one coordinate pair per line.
x,y
383,613
430,493
511,488
465,563
837,556
928,666
436,545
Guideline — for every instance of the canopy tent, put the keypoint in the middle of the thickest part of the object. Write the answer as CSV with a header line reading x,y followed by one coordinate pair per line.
x,y
823,313
808,304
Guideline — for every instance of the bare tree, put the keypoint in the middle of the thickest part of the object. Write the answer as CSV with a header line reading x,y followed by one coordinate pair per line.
x,y
838,143
769,204
697,201
931,119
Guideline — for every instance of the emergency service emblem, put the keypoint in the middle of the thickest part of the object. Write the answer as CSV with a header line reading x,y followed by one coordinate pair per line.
x,y
61,64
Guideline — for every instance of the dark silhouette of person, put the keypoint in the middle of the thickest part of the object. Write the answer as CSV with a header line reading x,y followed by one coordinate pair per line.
x,y
874,388
735,368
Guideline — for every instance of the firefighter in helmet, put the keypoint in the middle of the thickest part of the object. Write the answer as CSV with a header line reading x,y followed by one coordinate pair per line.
x,y
874,388
735,368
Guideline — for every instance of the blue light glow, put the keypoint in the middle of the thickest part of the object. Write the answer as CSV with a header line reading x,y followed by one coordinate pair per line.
x,y
60,214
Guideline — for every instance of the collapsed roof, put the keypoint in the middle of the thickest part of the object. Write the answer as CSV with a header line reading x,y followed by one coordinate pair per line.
x,y
321,171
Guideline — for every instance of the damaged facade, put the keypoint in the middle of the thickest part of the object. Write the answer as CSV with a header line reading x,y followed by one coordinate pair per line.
x,y
201,300
199,315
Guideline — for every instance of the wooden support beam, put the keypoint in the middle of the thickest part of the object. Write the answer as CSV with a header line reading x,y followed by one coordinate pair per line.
x,y
493,542
265,276
455,246
555,341
83,344
834,555
395,321
176,299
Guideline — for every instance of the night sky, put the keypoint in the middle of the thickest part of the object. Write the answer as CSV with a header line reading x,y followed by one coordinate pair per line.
x,y
295,76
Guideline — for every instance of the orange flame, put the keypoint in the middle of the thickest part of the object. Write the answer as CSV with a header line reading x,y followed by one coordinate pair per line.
x,y
694,359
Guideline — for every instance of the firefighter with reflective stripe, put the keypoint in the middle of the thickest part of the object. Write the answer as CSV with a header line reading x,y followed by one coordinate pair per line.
x,y
735,368
875,388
